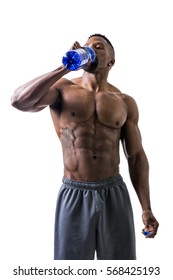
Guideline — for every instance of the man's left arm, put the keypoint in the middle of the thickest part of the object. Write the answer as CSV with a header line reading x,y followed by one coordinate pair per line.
x,y
138,164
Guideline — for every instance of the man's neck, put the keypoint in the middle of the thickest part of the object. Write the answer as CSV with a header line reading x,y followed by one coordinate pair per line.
x,y
94,82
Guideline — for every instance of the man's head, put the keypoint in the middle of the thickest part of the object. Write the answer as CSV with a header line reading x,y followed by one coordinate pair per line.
x,y
105,54
104,37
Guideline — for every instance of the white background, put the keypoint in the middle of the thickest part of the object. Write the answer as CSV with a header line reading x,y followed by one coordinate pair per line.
x,y
34,36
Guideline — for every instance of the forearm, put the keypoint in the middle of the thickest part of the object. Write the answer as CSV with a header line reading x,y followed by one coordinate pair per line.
x,y
30,93
139,174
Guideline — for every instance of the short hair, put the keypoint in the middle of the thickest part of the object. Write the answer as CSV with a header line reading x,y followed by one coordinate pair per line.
x,y
102,36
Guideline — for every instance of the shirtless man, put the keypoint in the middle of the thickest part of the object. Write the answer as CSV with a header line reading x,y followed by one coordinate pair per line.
x,y
91,118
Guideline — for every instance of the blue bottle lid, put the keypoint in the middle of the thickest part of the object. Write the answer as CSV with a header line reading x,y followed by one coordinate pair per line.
x,y
146,233
71,60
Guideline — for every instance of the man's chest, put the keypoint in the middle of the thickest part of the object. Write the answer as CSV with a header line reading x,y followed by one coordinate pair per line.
x,y
107,108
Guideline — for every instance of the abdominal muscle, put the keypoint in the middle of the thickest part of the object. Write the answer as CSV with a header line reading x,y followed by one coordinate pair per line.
x,y
90,151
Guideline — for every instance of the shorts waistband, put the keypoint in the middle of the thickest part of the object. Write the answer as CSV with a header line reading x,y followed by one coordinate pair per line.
x,y
100,184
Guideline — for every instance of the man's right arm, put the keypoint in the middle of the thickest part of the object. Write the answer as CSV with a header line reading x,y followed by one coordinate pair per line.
x,y
39,92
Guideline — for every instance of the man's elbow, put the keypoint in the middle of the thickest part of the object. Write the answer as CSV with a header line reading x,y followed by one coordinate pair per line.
x,y
16,101
20,102
17,104
25,107
139,159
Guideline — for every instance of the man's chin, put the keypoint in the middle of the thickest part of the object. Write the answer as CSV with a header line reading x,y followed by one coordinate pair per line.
x,y
91,67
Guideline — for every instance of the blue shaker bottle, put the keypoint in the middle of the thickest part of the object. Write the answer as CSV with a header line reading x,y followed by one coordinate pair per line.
x,y
75,59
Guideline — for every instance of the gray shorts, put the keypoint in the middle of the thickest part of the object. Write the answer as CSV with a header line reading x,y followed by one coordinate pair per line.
x,y
94,217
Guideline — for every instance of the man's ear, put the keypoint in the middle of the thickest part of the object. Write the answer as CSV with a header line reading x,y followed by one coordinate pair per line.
x,y
112,62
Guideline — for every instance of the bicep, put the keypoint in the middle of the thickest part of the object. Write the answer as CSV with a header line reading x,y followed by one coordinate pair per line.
x,y
131,138
53,95
130,134
48,99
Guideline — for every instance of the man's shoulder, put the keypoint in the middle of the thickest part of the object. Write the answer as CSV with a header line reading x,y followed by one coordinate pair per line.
x,y
125,97
131,106
62,82
113,89
128,98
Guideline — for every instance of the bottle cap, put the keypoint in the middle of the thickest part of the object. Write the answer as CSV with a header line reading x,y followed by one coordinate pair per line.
x,y
146,233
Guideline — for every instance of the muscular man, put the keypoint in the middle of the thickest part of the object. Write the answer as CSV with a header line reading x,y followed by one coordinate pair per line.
x,y
91,118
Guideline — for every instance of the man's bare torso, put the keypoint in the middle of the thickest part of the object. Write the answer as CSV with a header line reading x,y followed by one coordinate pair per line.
x,y
89,125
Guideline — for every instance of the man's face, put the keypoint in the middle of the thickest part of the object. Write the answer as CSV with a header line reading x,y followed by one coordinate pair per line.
x,y
104,53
